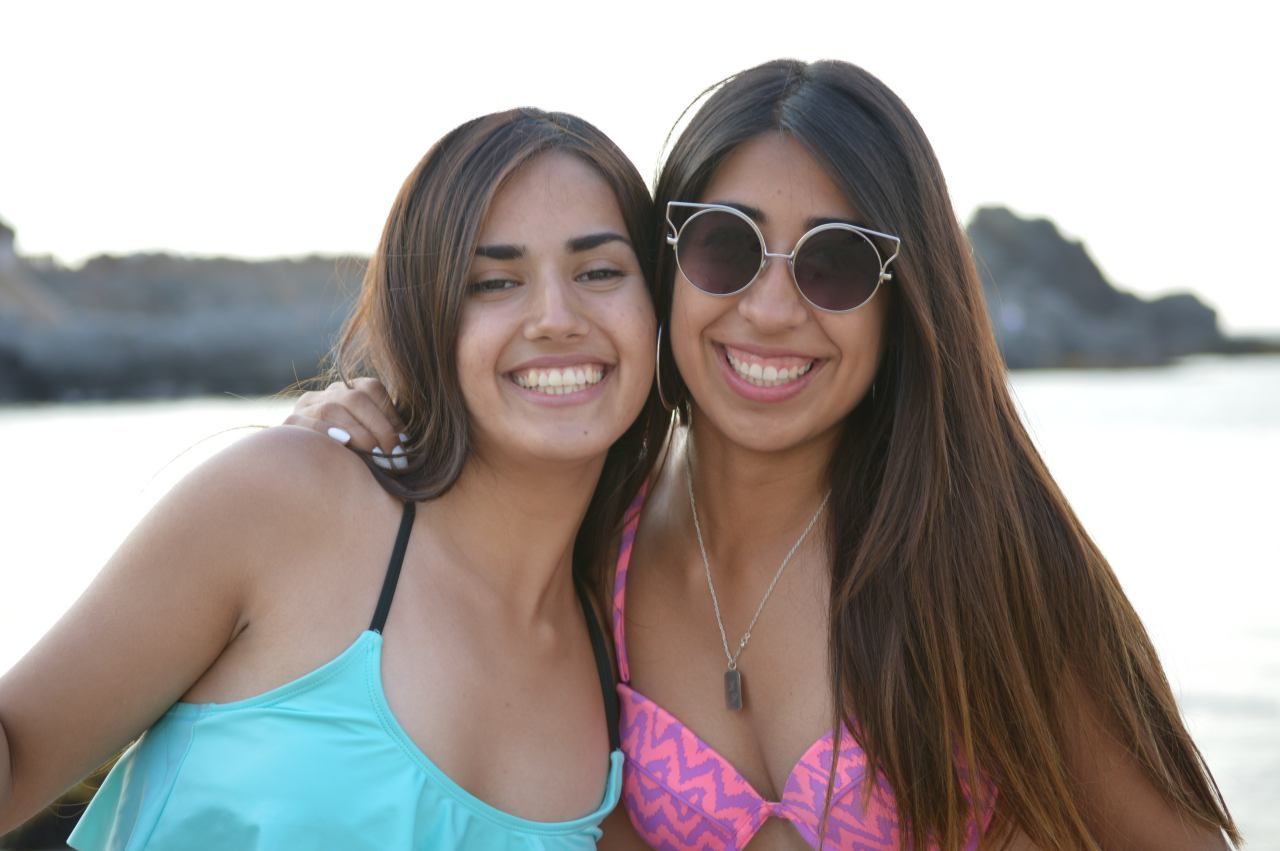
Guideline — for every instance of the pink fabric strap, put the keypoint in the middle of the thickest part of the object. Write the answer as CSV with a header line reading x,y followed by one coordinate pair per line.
x,y
631,522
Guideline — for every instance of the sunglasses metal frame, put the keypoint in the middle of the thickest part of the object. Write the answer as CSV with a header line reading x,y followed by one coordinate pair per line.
x,y
673,239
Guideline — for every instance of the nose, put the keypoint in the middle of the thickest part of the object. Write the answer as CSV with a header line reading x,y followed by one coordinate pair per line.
x,y
772,303
555,310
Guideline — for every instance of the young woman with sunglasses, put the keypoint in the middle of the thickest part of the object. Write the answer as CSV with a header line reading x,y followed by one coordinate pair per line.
x,y
853,609
283,700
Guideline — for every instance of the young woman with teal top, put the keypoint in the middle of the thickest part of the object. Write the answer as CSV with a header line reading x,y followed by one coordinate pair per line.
x,y
852,610
317,655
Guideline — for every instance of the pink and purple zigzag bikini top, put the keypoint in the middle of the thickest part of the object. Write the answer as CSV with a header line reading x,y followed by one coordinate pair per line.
x,y
682,795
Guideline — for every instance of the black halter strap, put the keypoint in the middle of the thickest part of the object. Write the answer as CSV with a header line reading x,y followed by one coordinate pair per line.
x,y
604,667
393,569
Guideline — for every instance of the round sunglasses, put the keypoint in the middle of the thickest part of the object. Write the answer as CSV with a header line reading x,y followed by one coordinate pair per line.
x,y
836,266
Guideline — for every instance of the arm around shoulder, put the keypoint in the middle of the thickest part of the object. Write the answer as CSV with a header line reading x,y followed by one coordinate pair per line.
x,y
164,607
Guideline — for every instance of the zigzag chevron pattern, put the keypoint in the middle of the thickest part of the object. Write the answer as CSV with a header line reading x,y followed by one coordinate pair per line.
x,y
682,795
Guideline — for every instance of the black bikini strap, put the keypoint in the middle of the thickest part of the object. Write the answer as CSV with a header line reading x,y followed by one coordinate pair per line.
x,y
604,668
393,569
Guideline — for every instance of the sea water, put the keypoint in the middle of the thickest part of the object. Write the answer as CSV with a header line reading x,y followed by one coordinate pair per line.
x,y
1175,472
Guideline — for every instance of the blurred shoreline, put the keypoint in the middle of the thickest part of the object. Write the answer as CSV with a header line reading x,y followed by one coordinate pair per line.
x,y
164,326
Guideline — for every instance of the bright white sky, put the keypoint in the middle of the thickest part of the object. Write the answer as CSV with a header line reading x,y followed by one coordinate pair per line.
x,y
1149,130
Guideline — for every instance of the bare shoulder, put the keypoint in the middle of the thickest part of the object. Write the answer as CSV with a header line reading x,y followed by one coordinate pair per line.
x,y
208,560
290,478
266,505
290,467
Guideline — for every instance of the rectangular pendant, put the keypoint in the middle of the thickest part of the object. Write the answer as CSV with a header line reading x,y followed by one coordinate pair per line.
x,y
733,689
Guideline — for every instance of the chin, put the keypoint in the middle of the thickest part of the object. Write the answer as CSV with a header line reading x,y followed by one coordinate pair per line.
x,y
767,434
559,447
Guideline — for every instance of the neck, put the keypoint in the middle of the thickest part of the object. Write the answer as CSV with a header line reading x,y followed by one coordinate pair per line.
x,y
512,527
751,502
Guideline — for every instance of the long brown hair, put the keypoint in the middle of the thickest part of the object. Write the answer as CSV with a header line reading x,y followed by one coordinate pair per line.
x,y
969,608
403,329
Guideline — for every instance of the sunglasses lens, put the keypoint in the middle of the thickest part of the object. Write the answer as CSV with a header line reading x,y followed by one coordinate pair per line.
x,y
718,252
837,269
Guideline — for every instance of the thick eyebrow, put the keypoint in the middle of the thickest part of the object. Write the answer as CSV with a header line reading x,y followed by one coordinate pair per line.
x,y
575,245
759,217
594,240
500,252
750,212
810,224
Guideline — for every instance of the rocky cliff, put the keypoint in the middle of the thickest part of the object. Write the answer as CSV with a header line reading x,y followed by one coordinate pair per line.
x,y
160,325
20,293
1051,306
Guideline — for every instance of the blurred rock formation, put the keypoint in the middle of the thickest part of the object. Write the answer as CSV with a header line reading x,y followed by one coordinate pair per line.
x,y
20,293
1051,307
162,325
157,325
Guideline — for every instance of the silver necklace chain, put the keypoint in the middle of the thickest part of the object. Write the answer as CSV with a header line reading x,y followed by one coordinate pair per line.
x,y
706,564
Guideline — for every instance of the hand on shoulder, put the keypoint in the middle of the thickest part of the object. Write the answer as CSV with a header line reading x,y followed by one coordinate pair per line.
x,y
358,414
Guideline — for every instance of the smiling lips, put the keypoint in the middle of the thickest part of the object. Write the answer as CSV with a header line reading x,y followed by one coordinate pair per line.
x,y
767,372
559,381
752,368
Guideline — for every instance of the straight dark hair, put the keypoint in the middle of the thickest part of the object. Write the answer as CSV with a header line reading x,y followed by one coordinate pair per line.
x,y
970,611
403,329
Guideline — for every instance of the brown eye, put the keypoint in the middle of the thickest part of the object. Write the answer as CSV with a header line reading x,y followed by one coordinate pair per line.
x,y
596,276
491,285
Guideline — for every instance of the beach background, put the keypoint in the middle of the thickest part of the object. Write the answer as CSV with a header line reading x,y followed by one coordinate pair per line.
x,y
1172,470
1144,132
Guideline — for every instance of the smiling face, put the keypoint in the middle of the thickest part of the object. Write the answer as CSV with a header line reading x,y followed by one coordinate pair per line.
x,y
555,345
766,368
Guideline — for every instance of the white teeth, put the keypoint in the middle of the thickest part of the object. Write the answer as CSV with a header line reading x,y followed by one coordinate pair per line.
x,y
559,382
766,376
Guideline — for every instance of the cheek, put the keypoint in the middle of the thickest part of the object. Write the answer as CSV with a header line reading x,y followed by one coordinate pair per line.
x,y
626,315
477,360
860,337
870,342
682,330
641,319
635,331
876,327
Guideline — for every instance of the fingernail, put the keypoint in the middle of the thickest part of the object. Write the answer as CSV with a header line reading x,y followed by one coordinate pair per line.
x,y
398,459
404,438
378,458
340,435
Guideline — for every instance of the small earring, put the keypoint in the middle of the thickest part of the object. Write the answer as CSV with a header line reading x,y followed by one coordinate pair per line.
x,y
657,372
873,391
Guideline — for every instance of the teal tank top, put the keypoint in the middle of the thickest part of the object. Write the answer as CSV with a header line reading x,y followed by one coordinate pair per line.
x,y
318,763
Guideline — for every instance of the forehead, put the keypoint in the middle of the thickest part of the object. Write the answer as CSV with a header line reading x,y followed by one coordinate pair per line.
x,y
553,194
777,175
